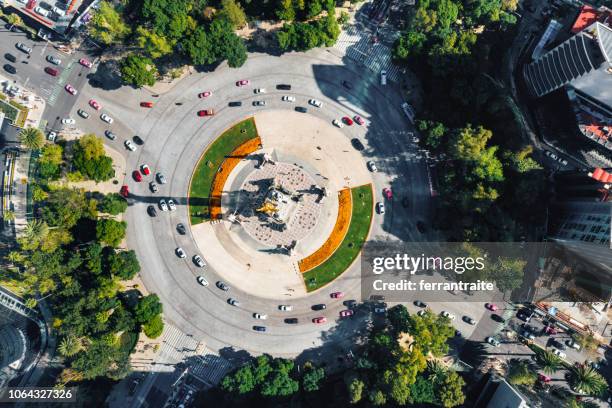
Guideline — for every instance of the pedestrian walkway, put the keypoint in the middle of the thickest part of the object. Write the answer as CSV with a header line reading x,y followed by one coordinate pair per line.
x,y
52,96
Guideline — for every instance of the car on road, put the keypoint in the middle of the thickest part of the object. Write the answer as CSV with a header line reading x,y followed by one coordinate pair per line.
x,y
573,344
153,187
85,62
180,253
51,71
10,69
493,341
347,121
315,102
380,310
383,77
359,120
448,315
124,191
422,312
527,332
83,114
320,306
145,169
10,57
372,166
137,176
550,329
259,103
52,136
418,303
180,228
152,211
204,94
233,302
346,313
206,112
283,87
491,306
562,161
550,154
291,320
338,123
111,135
387,193
301,109
556,344
260,316
287,98
259,90
54,60
94,104
197,259
106,118
41,11
202,281
558,353
337,295
171,204
319,320
408,111
259,328
243,82
223,286
22,47
138,140
498,318
469,320
68,121
524,314
146,104
160,178
234,104
380,208
350,303
285,308
357,144
347,85
163,205
70,89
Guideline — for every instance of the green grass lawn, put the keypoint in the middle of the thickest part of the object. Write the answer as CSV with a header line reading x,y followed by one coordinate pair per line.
x,y
210,161
350,247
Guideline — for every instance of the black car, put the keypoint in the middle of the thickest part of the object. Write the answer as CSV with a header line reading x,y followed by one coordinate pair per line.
x,y
320,306
181,229
234,104
222,285
301,109
10,57
377,298
291,320
259,328
347,85
350,303
498,318
152,211
284,87
557,344
469,320
524,314
10,69
418,303
110,135
138,140
357,144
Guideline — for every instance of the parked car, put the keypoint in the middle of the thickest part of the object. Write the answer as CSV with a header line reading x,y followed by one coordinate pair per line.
x,y
110,135
448,315
372,166
491,306
24,48
94,104
83,114
291,320
357,144
171,204
380,309
68,121
124,191
259,328
181,229
180,252
347,121
493,341
319,306
234,104
338,123
160,178
498,318
233,302
145,169
152,211
85,62
380,208
559,353
359,120
387,193
106,118
54,60
383,77
51,71
10,57
163,205
469,320
573,344
153,187
346,313
137,176
418,303
52,136
10,69
259,90
259,103
557,344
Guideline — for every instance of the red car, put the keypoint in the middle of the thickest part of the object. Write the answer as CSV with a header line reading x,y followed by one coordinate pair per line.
x,y
70,89
125,191
346,313
145,169
319,320
337,295
85,62
243,82
550,330
544,378
146,104
359,120
491,306
204,94
206,112
137,176
51,71
387,193
347,120
94,104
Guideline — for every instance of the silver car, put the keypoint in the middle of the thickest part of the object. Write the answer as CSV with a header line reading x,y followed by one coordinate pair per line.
x,y
171,204
129,145
163,205
180,253
197,259
161,178
54,60
233,302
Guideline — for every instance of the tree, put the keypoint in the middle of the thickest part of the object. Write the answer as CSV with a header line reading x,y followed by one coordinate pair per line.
x,y
521,373
399,318
8,215
65,207
50,161
450,392
147,308
377,397
508,273
433,132
31,138
548,361
38,194
233,12
154,327
90,160
278,383
97,360
138,71
113,204
14,20
70,346
199,47
110,232
124,264
587,342
153,44
431,333
226,44
33,234
585,380
422,391
312,379
285,10
107,25
356,388
167,17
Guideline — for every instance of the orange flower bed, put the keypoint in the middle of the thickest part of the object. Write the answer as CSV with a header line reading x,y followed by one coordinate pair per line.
x,y
345,209
225,170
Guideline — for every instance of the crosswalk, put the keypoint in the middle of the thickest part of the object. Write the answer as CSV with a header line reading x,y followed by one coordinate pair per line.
x,y
358,45
51,97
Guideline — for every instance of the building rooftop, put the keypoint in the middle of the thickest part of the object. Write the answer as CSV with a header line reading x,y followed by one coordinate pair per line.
x,y
52,14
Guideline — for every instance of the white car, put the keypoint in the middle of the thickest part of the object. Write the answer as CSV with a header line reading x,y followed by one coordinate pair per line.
x,y
233,302
171,204
259,90
106,118
197,259
41,11
380,310
338,123
383,77
372,166
68,121
202,281
492,341
180,253
380,208
54,60
163,205
315,102
285,308
408,111
448,315
52,136
559,353
130,146
421,312
260,316
288,98
161,178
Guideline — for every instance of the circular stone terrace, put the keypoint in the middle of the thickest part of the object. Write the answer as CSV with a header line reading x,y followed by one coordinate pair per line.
x,y
278,209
